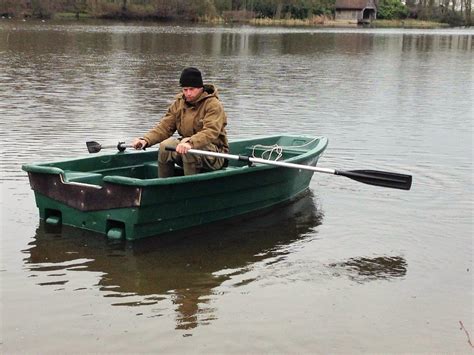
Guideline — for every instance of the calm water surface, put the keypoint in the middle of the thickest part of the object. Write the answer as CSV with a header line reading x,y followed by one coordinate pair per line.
x,y
348,268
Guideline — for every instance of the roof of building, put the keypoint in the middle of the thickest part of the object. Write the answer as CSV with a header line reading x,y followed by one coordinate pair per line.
x,y
354,4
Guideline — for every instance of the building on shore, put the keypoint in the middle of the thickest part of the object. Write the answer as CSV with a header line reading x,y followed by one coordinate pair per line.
x,y
362,11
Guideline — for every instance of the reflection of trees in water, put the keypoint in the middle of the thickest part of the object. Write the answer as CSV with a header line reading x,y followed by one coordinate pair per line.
x,y
367,269
183,267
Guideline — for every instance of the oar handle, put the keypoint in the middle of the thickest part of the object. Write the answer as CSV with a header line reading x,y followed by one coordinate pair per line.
x,y
121,146
214,154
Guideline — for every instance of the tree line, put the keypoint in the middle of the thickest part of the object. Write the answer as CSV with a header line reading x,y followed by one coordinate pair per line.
x,y
457,12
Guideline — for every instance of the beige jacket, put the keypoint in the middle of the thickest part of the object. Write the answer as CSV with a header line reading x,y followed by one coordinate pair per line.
x,y
202,121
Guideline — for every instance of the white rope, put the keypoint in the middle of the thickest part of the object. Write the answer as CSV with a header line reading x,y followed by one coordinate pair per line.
x,y
269,150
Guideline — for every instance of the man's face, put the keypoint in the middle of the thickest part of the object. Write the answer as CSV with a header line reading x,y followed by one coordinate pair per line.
x,y
191,94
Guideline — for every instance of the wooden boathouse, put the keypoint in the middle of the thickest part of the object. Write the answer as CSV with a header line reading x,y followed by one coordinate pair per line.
x,y
362,11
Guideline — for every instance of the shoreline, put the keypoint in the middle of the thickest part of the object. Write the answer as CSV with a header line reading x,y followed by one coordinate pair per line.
x,y
314,22
409,23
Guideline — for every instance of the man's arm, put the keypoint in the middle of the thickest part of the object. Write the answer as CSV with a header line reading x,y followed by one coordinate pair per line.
x,y
163,129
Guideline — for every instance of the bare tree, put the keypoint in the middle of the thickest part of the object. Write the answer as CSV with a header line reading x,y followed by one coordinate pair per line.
x,y
468,11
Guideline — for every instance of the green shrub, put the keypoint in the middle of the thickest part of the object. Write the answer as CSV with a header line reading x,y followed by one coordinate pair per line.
x,y
391,9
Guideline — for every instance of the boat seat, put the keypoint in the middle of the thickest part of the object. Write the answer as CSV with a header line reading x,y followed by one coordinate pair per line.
x,y
151,170
83,177
153,164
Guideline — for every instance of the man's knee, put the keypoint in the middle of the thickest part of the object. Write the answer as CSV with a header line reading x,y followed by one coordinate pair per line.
x,y
191,159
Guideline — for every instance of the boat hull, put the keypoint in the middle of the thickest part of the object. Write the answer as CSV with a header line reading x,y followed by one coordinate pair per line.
x,y
128,201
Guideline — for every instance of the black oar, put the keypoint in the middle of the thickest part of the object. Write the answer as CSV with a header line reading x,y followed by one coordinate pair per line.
x,y
370,177
94,147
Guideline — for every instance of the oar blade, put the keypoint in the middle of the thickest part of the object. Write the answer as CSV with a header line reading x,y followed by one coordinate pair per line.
x,y
379,178
93,147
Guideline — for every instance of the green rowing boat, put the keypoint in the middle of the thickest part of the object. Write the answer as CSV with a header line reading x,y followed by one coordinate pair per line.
x,y
121,196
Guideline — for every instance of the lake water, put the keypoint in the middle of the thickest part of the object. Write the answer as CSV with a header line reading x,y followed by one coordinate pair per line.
x,y
348,268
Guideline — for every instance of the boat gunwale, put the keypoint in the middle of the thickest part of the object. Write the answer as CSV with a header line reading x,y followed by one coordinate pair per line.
x,y
49,168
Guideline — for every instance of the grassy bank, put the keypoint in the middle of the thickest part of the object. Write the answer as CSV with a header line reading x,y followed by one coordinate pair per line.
x,y
313,21
326,21
408,23
71,15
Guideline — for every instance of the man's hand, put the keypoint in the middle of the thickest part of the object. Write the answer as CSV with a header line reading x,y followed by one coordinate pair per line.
x,y
182,148
139,143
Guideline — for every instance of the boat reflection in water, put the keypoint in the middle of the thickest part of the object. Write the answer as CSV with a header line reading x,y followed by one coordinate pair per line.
x,y
182,267
183,271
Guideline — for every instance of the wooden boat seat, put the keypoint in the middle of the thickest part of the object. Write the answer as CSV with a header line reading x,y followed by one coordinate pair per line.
x,y
151,170
83,177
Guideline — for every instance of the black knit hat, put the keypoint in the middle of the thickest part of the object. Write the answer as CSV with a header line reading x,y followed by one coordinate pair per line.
x,y
191,77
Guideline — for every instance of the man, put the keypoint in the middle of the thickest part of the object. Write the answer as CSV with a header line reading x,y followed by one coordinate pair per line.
x,y
199,118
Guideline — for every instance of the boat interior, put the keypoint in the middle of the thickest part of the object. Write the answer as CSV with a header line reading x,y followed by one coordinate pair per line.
x,y
143,165
145,170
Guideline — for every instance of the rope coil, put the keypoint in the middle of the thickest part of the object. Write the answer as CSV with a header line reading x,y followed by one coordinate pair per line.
x,y
270,150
